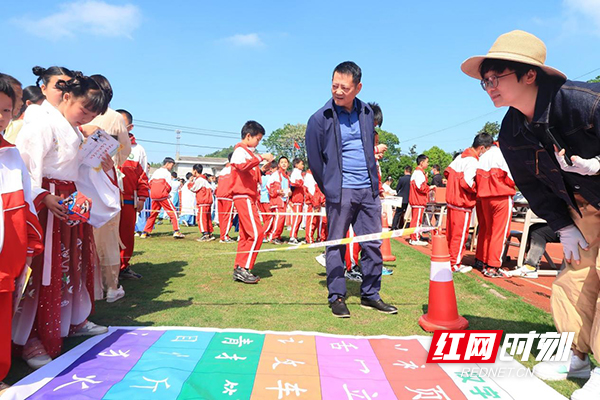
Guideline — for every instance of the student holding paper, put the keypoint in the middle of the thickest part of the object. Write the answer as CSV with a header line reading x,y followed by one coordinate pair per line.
x,y
59,299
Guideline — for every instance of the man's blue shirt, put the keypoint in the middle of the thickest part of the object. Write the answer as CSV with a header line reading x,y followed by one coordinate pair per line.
x,y
355,174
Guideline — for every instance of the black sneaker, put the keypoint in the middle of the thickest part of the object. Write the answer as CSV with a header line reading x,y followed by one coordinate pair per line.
x,y
378,305
339,309
128,273
276,241
244,275
479,265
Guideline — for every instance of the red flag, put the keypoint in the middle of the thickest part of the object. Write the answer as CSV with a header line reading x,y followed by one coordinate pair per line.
x,y
296,145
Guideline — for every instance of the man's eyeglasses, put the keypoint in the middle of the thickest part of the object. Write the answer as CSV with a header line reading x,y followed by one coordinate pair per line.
x,y
492,81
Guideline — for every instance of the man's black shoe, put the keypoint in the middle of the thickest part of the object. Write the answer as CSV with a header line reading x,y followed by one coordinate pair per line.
x,y
378,305
244,275
128,273
339,309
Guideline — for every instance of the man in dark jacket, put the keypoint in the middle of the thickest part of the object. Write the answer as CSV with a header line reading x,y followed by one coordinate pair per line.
x,y
340,149
403,190
550,138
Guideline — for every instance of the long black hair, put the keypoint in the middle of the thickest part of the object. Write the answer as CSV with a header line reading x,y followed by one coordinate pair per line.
x,y
95,98
45,74
33,94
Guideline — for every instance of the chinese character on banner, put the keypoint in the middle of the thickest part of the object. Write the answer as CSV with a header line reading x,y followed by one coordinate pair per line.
x,y
462,346
286,362
113,353
436,393
290,340
189,339
406,365
229,387
344,345
358,394
486,393
83,381
156,384
469,377
364,368
287,389
237,342
225,356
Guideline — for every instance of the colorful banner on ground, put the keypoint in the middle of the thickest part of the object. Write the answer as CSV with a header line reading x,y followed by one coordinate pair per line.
x,y
187,363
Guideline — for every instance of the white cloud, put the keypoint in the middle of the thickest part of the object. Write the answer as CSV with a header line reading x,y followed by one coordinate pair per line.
x,y
582,15
84,17
249,40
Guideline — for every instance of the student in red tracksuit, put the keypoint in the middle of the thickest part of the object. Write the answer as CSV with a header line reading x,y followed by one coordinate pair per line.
x,y
495,191
224,203
279,192
309,191
297,197
159,193
204,199
461,196
20,230
245,178
264,204
135,191
320,223
419,194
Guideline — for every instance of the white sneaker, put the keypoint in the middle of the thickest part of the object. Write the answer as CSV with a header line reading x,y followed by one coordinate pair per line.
x,y
113,295
417,243
293,241
90,329
591,389
463,268
525,271
321,259
561,370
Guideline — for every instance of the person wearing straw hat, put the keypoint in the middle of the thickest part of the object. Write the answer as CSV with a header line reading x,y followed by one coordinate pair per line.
x,y
550,137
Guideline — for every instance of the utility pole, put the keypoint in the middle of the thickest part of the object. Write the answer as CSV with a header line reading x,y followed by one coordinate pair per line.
x,y
177,137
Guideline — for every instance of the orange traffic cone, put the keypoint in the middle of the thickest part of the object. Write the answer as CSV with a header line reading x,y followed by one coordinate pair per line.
x,y
386,248
442,311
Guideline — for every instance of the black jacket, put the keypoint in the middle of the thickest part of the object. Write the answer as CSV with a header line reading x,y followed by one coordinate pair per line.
x,y
403,188
569,112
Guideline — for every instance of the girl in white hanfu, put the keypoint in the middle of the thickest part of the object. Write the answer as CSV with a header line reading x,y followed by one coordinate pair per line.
x,y
58,297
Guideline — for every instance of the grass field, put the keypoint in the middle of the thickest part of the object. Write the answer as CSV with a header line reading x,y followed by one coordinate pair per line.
x,y
187,283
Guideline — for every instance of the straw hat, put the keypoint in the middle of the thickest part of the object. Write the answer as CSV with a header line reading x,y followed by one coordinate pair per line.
x,y
516,46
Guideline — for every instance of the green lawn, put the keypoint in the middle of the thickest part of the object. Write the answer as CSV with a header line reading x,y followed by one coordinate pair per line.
x,y
187,283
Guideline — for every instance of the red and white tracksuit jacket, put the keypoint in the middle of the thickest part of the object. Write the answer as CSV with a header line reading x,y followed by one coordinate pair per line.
x,y
135,187
20,237
296,199
461,196
224,201
419,194
160,188
315,201
204,200
245,189
495,191
278,203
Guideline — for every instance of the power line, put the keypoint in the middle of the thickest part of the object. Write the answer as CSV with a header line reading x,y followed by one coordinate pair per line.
x,y
183,131
188,128
587,73
175,144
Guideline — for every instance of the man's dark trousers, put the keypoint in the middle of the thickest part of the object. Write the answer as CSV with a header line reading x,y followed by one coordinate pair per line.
x,y
361,209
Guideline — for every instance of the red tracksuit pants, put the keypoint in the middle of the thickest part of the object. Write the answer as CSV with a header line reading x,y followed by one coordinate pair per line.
x,y
225,207
494,226
251,232
278,223
458,221
352,251
126,232
6,314
204,221
266,218
296,219
416,220
169,208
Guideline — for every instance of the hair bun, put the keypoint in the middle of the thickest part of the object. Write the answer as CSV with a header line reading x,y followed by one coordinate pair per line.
x,y
38,71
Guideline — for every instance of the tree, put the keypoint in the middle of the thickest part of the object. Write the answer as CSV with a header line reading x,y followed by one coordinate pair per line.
x,y
223,153
438,156
390,163
282,142
493,128
595,80
155,165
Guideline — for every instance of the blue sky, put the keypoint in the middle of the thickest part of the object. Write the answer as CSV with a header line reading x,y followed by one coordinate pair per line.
x,y
214,65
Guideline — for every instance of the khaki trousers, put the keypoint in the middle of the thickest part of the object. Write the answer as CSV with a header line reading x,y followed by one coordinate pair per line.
x,y
575,297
